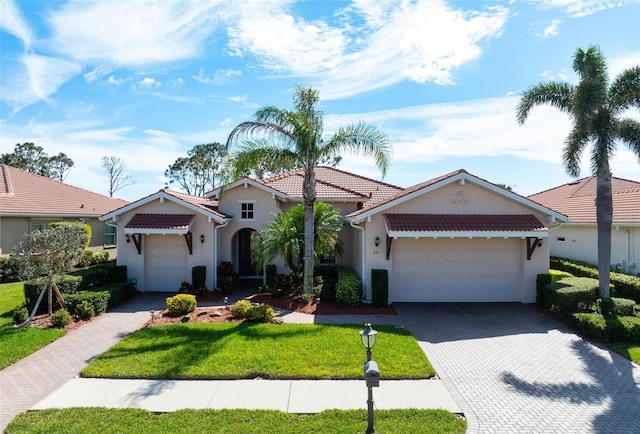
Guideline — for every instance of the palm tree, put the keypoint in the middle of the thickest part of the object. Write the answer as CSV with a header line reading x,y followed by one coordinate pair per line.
x,y
295,138
284,236
596,109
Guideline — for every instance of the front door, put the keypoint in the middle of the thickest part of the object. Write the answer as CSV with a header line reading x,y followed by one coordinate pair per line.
x,y
246,267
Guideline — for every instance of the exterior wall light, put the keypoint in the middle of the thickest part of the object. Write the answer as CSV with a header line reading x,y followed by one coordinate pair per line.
x,y
202,238
377,241
127,238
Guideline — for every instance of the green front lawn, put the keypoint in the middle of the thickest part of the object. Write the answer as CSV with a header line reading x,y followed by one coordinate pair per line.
x,y
17,343
248,350
102,420
631,352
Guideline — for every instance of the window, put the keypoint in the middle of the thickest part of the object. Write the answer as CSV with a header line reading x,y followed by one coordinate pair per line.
x,y
246,210
37,227
109,235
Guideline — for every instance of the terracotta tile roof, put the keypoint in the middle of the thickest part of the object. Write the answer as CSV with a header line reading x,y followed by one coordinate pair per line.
x,y
463,222
161,221
334,183
207,204
577,200
403,192
26,194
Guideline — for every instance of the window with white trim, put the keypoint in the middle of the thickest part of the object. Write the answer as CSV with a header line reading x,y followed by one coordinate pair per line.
x,y
246,210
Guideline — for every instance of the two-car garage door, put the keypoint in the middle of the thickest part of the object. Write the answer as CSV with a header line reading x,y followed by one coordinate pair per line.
x,y
456,270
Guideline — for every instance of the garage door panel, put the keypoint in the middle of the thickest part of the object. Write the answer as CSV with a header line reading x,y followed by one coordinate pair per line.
x,y
457,269
165,262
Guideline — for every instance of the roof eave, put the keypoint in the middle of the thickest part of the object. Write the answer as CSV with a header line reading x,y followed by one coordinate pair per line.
x,y
543,233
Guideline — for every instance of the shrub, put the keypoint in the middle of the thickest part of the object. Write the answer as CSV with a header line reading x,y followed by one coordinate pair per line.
x,y
8,270
181,304
348,288
572,294
85,226
99,301
625,285
60,318
20,314
610,328
379,287
226,277
240,308
557,275
118,293
66,283
199,276
329,275
260,313
617,306
85,310
270,271
542,280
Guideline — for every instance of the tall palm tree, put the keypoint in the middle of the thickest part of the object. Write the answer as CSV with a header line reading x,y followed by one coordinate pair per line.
x,y
295,138
596,109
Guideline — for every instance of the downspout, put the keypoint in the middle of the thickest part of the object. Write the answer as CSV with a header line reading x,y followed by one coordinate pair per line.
x,y
364,286
215,254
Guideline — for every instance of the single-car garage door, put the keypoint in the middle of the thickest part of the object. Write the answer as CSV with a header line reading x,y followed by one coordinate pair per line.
x,y
456,270
165,262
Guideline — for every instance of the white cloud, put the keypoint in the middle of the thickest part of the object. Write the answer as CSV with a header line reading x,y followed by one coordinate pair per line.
x,y
178,82
226,122
116,81
178,98
220,77
552,30
147,83
422,41
32,78
11,21
581,8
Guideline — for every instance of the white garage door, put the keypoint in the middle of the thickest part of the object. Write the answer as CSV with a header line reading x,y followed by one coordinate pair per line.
x,y
165,262
458,270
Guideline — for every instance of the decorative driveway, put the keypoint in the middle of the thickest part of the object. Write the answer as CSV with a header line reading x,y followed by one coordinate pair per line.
x,y
513,369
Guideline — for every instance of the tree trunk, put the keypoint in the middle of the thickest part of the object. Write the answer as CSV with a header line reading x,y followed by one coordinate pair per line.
x,y
604,217
309,195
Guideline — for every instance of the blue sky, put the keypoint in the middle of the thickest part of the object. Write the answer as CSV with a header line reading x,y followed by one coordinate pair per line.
x,y
147,81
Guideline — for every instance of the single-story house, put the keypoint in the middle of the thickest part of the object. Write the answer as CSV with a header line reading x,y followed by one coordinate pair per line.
x,y
29,202
453,238
578,238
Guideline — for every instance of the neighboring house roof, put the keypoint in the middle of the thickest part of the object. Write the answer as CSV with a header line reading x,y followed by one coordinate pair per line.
x,y
26,194
460,176
161,222
201,205
577,199
443,224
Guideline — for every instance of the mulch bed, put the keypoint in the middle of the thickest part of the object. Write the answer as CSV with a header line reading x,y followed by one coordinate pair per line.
x,y
290,302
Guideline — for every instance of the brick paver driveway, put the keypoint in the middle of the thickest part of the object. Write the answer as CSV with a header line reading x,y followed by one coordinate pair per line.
x,y
513,369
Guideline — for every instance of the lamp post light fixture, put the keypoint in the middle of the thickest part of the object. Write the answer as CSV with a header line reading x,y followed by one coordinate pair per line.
x,y
371,372
368,336
153,314
318,301
226,302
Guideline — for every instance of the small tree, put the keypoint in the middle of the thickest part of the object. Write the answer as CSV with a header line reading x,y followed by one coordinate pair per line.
x,y
47,253
115,169
285,236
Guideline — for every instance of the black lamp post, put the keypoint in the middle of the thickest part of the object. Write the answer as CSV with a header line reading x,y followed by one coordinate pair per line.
x,y
368,336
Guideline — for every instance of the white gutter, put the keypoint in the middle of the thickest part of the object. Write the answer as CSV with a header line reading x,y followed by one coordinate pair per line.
x,y
364,286
215,253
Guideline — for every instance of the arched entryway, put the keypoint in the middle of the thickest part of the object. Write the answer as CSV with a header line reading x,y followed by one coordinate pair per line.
x,y
246,264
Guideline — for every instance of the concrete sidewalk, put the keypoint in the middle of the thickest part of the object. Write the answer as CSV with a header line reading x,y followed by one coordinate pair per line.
x,y
292,396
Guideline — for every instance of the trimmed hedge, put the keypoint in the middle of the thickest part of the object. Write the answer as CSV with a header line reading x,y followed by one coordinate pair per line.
x,y
379,287
66,283
348,288
99,301
608,328
118,293
270,271
329,274
572,294
617,306
199,276
624,285
542,280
